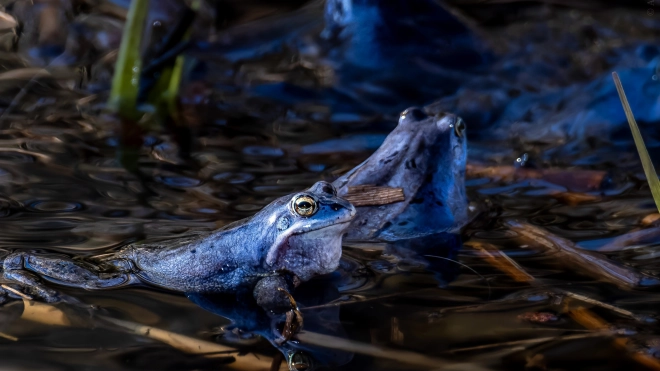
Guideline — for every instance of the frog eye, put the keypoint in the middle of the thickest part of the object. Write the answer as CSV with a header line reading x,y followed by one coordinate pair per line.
x,y
304,205
459,127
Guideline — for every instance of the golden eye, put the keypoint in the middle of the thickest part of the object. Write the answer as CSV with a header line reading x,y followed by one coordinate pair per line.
x,y
304,205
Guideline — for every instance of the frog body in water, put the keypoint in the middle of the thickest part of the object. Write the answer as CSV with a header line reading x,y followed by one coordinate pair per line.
x,y
425,156
296,236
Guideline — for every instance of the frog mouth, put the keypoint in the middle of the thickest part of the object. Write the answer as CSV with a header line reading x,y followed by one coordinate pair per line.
x,y
329,226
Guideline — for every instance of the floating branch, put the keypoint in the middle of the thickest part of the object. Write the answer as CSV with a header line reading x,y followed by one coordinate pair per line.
x,y
501,261
586,262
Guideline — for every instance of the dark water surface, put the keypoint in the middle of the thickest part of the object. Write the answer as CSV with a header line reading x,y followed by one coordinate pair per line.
x,y
281,121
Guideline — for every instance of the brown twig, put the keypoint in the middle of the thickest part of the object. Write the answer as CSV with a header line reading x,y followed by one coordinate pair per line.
x,y
402,356
369,195
591,321
590,263
501,261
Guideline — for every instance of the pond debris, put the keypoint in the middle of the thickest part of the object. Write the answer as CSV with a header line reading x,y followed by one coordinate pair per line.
x,y
16,292
538,317
574,198
632,239
516,344
402,356
50,315
575,180
650,219
7,22
647,163
501,261
8,337
192,345
581,315
583,261
590,320
370,195
597,303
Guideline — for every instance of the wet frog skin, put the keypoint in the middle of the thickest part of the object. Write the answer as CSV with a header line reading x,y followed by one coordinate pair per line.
x,y
425,156
296,236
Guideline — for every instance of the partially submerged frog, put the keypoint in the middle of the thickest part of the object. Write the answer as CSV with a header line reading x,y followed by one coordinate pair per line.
x,y
293,239
425,156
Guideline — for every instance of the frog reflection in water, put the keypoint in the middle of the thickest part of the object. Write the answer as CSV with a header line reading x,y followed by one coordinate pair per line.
x,y
425,156
292,239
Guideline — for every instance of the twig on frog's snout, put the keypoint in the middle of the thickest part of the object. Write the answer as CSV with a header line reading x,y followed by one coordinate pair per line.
x,y
369,195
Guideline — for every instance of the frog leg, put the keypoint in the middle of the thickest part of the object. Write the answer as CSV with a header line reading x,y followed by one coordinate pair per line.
x,y
24,284
64,271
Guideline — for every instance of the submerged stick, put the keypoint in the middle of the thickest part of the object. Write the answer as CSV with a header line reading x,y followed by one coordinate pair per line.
x,y
192,345
50,315
572,179
592,321
647,164
583,261
402,356
501,261
631,239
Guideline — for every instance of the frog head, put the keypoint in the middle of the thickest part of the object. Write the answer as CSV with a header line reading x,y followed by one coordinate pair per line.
x,y
308,228
425,156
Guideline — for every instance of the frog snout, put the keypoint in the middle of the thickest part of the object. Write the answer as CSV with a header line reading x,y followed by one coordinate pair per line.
x,y
412,114
341,204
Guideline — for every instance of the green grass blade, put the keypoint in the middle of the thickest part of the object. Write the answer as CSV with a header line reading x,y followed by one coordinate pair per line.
x,y
172,92
647,164
126,80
